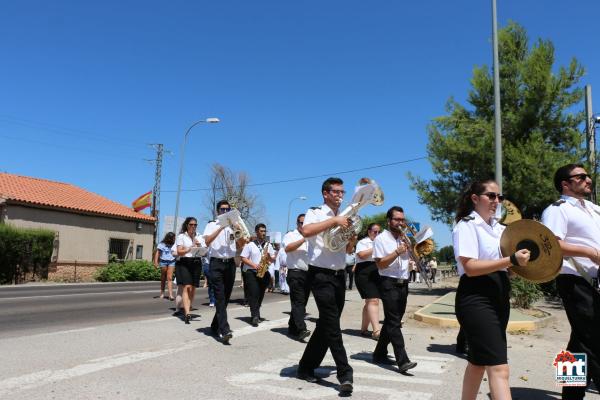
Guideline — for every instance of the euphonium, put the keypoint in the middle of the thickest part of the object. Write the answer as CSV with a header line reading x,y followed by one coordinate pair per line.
x,y
423,245
368,192
234,219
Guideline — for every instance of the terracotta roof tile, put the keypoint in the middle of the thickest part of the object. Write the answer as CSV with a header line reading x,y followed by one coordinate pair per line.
x,y
62,195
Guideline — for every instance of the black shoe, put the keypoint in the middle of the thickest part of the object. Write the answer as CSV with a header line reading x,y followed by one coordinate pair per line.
x,y
307,376
227,337
254,321
406,366
303,334
261,319
382,360
187,318
346,386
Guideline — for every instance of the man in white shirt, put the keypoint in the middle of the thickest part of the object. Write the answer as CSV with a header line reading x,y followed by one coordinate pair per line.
x,y
296,250
392,258
327,276
222,250
252,258
576,224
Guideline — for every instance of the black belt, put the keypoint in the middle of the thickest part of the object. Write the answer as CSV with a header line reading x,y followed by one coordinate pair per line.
x,y
223,260
334,272
296,269
399,281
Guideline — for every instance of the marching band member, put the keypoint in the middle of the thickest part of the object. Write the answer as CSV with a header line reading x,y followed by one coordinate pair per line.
x,y
391,257
296,250
252,258
576,224
367,282
482,297
327,276
189,266
222,250
281,266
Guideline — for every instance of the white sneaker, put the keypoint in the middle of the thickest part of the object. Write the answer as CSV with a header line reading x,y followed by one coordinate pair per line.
x,y
211,305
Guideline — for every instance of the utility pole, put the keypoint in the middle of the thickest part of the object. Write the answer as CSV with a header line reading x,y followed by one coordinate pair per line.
x,y
590,138
156,190
497,110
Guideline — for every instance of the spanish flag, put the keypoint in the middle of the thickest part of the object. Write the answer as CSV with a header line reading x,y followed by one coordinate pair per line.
x,y
144,201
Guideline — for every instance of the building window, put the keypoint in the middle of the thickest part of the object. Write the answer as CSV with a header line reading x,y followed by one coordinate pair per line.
x,y
117,249
139,250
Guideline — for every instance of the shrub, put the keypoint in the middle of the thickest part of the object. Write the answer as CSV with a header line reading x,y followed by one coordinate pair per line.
x,y
524,293
23,252
128,271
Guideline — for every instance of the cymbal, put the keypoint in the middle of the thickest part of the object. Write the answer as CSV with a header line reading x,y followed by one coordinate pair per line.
x,y
510,213
545,261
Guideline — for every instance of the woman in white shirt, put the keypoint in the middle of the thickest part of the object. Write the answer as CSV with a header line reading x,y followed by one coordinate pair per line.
x,y
367,282
482,297
188,268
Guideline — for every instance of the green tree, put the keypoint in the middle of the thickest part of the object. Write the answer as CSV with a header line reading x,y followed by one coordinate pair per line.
x,y
446,254
539,129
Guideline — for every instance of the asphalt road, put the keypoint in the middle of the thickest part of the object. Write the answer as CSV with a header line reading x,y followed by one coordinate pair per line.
x,y
34,309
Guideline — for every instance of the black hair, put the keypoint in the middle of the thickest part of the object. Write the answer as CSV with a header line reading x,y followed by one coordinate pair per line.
x,y
372,224
258,226
222,203
562,174
184,226
299,216
169,239
329,182
390,212
465,204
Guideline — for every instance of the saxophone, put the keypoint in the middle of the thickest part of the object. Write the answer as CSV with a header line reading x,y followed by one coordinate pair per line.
x,y
368,192
265,261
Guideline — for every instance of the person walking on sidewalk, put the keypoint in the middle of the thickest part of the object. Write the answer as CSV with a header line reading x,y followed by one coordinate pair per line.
x,y
222,250
367,282
165,260
328,284
296,250
482,297
575,222
391,257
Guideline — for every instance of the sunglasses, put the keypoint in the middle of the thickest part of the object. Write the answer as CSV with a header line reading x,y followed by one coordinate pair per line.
x,y
493,196
376,232
581,177
337,191
192,224
224,209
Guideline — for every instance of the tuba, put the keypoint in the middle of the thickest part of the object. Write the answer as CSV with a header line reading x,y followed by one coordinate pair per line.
x,y
265,261
368,192
234,219
418,245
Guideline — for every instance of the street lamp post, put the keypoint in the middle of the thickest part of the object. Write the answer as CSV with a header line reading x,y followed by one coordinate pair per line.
x,y
208,121
497,111
290,209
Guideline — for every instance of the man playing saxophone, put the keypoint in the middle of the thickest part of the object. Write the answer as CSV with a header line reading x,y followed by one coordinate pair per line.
x,y
256,257
326,270
392,257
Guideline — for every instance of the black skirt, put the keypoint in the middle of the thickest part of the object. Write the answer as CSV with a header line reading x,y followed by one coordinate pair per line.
x,y
482,308
366,277
188,270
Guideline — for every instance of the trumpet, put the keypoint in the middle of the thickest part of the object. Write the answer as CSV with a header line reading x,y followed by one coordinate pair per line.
x,y
423,246
234,219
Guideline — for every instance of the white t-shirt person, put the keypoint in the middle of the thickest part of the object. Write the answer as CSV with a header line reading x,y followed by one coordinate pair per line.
x,y
474,238
384,244
253,252
318,254
297,259
224,244
362,245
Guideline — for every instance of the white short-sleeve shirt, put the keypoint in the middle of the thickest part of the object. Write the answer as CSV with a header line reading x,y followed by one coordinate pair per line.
x,y
318,254
474,238
362,245
384,244
576,222
253,252
184,240
224,244
297,259
281,259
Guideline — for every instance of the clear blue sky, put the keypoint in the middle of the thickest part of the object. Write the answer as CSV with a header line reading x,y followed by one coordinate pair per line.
x,y
302,88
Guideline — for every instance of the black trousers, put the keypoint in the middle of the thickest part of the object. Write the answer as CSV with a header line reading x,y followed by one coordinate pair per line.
x,y
222,275
350,275
299,284
329,290
256,290
393,296
433,274
582,305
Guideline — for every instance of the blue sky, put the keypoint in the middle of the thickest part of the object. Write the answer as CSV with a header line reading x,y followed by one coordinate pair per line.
x,y
302,88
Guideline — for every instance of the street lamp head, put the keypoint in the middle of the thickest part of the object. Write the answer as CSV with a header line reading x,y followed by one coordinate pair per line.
x,y
596,119
213,120
302,197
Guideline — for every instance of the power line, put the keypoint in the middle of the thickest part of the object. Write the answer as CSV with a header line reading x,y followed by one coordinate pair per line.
x,y
310,177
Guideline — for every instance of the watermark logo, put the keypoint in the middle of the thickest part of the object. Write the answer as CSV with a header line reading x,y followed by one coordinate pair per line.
x,y
571,369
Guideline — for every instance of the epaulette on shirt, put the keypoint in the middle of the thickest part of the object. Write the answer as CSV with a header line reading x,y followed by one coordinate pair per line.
x,y
468,218
212,221
315,208
559,202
